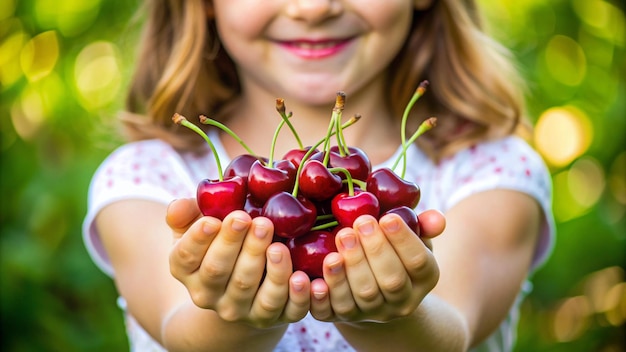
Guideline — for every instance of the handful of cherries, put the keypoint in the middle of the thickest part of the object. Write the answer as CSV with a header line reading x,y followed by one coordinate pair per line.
x,y
311,192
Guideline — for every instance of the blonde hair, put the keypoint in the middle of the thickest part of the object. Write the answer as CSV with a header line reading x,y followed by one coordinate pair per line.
x,y
181,68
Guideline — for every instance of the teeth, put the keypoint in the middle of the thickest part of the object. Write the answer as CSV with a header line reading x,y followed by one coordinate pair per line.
x,y
314,46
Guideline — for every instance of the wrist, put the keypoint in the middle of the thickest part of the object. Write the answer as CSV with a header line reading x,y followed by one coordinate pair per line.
x,y
190,328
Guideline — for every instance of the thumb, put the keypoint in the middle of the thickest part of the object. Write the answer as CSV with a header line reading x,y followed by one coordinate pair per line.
x,y
432,223
181,213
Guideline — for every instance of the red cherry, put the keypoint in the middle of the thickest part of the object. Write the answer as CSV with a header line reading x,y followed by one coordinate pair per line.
x,y
316,182
219,198
296,155
291,218
265,181
391,190
347,208
240,166
308,252
356,162
408,215
253,208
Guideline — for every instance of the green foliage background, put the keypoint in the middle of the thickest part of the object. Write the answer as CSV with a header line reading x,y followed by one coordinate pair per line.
x,y
63,68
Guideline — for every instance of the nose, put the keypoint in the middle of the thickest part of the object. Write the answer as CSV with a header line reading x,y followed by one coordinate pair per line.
x,y
313,11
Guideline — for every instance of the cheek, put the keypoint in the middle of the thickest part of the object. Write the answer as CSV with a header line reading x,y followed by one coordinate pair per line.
x,y
240,20
391,19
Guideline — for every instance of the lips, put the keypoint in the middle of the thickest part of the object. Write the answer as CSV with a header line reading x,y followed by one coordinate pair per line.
x,y
314,49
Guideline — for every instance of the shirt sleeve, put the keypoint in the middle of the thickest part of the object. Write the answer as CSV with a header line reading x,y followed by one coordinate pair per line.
x,y
507,164
148,170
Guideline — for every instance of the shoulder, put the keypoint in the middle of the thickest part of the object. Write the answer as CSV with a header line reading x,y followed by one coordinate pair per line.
x,y
509,163
145,169
505,160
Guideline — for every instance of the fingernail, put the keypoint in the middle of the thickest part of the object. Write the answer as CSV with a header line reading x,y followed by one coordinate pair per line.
x,y
319,295
298,286
239,225
275,257
391,225
207,228
348,241
366,228
335,268
260,231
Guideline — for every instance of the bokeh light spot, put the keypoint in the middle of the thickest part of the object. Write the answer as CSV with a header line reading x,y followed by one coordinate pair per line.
x,y
39,55
602,18
599,283
565,60
565,207
36,105
562,134
10,48
615,304
69,17
98,75
585,181
571,318
27,113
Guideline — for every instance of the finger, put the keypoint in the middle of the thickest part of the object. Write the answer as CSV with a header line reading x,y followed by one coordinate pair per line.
x,y
321,308
272,296
299,298
219,262
432,223
358,271
248,272
188,252
341,299
181,213
389,271
412,251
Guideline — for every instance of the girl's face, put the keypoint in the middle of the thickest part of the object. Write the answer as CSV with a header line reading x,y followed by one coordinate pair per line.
x,y
309,49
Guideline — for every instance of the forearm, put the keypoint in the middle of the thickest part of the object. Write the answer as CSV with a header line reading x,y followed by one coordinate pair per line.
x,y
434,326
190,328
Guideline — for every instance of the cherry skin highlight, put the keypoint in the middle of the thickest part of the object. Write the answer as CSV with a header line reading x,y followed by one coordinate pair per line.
x,y
347,208
291,218
308,252
219,198
391,190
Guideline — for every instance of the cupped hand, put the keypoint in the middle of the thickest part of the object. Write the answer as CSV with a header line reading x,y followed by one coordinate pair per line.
x,y
381,271
233,268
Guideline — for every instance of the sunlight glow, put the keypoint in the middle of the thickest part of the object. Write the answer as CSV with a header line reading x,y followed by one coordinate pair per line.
x,y
40,55
98,75
562,134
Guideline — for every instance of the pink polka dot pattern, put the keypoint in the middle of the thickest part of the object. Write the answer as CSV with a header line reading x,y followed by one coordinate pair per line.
x,y
153,170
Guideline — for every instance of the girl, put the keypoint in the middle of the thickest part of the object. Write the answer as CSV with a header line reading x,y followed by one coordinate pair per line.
x,y
189,282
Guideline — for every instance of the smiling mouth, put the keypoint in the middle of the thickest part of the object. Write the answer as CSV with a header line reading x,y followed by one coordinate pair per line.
x,y
315,49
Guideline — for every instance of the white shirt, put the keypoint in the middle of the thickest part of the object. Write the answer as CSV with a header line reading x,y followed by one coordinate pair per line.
x,y
153,170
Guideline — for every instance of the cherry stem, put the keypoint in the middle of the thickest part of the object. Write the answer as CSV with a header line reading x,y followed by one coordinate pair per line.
x,y
340,101
280,107
338,112
324,217
423,128
209,121
349,180
325,225
421,89
270,161
181,120
307,155
361,184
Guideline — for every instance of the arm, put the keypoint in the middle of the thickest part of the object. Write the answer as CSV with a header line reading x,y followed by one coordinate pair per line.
x,y
140,245
481,260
